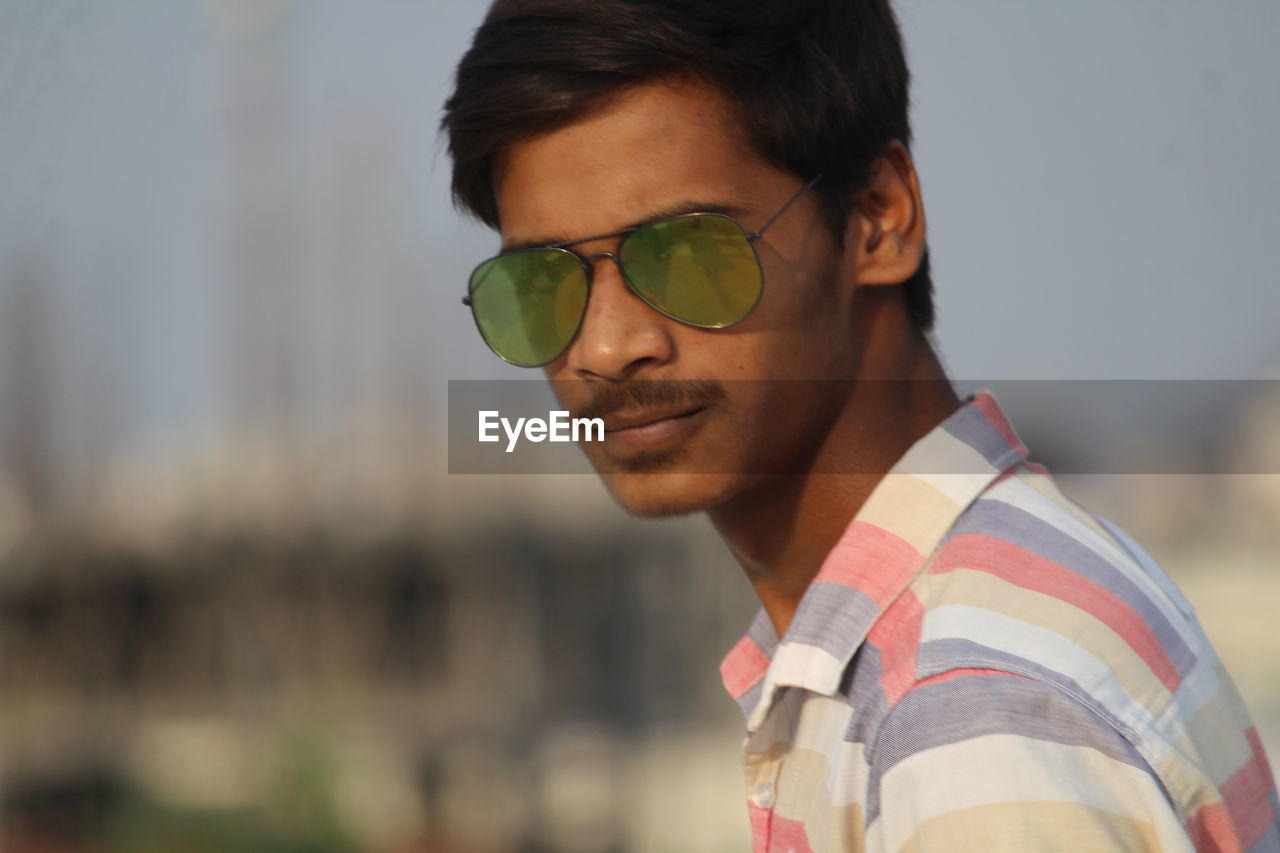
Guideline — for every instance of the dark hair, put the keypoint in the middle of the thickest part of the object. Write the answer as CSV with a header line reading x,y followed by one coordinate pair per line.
x,y
820,86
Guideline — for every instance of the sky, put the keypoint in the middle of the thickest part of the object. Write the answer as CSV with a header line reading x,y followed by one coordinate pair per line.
x,y
1099,181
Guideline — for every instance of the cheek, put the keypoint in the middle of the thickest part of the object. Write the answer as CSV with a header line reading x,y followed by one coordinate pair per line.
x,y
820,292
809,331
802,296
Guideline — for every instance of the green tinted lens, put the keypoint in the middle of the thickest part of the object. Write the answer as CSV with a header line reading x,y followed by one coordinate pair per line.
x,y
700,269
528,305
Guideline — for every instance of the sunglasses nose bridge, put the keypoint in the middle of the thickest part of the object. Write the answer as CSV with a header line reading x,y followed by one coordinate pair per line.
x,y
589,258
589,262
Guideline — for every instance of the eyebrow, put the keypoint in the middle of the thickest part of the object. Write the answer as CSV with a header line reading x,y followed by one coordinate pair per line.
x,y
664,212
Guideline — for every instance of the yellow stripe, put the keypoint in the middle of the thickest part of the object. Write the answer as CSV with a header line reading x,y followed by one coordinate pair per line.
x,y
910,509
1021,827
846,831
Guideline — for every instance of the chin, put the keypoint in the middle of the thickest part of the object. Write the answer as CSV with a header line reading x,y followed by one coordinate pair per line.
x,y
659,495
690,472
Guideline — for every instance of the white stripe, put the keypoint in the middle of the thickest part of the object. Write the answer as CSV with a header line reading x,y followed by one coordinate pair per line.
x,y
1040,645
806,665
821,728
1008,769
960,489
798,664
849,780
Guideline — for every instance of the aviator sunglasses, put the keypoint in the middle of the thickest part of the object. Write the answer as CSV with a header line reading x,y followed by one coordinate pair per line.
x,y
700,269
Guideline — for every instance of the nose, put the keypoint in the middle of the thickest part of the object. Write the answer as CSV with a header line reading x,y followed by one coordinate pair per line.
x,y
621,336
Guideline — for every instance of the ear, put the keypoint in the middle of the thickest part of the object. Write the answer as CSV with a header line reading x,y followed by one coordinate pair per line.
x,y
886,223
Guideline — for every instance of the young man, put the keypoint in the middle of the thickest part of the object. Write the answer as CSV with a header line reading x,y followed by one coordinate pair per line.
x,y
713,238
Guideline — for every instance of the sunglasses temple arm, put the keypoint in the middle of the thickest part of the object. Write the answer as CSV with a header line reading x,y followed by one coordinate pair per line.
x,y
785,208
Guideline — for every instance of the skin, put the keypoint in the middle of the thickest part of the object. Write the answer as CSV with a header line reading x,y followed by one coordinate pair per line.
x,y
781,465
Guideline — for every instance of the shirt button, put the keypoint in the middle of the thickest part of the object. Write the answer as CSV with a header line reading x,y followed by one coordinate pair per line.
x,y
762,795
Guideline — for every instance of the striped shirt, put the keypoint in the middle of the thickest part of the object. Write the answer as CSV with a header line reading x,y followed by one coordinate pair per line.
x,y
981,664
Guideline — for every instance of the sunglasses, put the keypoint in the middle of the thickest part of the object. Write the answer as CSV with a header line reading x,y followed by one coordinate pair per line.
x,y
700,269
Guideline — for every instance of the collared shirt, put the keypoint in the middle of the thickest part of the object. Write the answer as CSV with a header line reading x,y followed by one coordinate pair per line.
x,y
981,664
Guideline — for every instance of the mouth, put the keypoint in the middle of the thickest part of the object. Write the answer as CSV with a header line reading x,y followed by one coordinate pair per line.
x,y
651,428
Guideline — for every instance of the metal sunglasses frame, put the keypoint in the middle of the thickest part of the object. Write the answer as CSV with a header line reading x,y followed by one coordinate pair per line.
x,y
588,270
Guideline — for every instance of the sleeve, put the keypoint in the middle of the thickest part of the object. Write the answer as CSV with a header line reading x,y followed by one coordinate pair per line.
x,y
988,761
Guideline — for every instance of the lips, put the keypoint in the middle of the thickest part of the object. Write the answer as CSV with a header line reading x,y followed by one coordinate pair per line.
x,y
635,419
651,427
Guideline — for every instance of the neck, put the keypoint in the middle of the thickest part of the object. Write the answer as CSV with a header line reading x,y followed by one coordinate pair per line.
x,y
782,528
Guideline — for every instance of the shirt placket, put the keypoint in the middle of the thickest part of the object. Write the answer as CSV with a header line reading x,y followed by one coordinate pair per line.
x,y
761,774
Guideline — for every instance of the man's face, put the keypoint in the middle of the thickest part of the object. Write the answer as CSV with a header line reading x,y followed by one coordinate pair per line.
x,y
726,421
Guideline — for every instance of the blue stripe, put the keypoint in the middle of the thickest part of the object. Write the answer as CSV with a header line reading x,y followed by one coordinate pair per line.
x,y
939,656
970,425
861,688
763,634
1269,842
748,701
834,617
967,707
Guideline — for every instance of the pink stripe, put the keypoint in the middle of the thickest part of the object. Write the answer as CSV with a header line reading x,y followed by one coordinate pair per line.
x,y
773,834
965,671
1260,757
872,560
897,635
1032,571
787,835
1245,793
1211,830
742,667
759,827
987,405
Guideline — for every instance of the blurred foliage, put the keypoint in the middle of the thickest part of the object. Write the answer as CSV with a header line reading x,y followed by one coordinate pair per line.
x,y
97,811
143,825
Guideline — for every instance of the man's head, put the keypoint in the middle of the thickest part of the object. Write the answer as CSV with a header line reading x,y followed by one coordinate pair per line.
x,y
573,118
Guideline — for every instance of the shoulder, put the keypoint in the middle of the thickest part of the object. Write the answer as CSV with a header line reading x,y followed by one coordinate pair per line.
x,y
1028,582
1040,635
1005,761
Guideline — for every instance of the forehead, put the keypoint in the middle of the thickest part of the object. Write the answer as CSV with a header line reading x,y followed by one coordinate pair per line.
x,y
654,146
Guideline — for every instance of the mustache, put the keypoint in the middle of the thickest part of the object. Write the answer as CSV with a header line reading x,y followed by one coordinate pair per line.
x,y
651,394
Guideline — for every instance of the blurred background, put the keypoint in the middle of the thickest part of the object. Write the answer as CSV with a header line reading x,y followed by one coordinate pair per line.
x,y
243,605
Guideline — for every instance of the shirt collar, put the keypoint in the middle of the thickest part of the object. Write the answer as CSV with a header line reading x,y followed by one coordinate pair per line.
x,y
881,551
